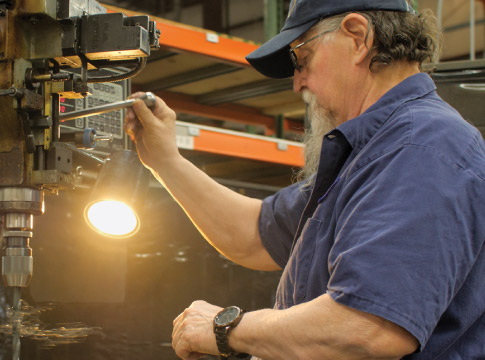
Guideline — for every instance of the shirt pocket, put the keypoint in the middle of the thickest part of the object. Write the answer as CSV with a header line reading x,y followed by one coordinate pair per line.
x,y
302,258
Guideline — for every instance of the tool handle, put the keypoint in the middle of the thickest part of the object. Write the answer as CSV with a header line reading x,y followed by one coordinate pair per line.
x,y
148,98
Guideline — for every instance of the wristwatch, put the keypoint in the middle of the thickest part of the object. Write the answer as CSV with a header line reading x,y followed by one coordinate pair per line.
x,y
224,321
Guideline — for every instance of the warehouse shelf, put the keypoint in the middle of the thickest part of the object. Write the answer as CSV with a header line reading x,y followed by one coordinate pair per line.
x,y
180,37
232,143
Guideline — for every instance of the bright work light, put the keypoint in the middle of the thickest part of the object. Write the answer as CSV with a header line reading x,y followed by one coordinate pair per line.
x,y
113,218
118,196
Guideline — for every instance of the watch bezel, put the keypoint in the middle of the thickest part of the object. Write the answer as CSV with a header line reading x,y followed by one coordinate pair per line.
x,y
218,318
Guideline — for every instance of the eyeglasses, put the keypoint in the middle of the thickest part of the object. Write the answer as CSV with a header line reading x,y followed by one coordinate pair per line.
x,y
294,58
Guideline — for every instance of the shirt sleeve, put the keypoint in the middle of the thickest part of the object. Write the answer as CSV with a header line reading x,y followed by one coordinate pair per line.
x,y
407,236
278,221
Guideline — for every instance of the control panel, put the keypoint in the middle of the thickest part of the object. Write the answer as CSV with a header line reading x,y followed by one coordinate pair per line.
x,y
110,123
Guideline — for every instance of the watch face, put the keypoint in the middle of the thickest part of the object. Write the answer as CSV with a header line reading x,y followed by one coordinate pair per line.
x,y
226,316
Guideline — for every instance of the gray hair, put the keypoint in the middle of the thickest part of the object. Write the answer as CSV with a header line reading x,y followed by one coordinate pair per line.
x,y
397,36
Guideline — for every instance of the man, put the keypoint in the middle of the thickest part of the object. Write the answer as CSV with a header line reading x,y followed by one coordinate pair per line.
x,y
382,245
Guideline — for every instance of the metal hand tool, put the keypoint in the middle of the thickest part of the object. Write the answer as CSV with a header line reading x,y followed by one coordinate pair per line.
x,y
148,98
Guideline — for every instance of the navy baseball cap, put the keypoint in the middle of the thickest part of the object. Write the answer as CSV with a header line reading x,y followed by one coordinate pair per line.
x,y
272,59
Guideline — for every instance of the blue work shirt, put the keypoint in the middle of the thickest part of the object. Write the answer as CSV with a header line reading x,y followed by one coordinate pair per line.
x,y
395,223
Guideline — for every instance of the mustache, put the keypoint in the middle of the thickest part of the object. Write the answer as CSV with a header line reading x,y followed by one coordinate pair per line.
x,y
308,97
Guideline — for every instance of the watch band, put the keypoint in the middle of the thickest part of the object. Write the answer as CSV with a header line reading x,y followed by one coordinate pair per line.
x,y
222,341
222,329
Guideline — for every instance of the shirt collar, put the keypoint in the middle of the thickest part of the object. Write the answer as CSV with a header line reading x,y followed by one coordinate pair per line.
x,y
358,131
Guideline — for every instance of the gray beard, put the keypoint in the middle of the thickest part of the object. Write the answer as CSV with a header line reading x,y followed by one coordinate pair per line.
x,y
321,122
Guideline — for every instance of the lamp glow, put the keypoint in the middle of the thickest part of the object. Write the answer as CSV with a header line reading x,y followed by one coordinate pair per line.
x,y
117,199
112,218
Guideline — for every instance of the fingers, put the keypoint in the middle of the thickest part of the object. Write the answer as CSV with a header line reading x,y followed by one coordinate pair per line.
x,y
143,113
180,343
151,116
131,124
192,333
153,130
139,114
136,95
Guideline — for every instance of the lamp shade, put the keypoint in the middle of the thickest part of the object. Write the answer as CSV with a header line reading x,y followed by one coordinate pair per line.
x,y
118,196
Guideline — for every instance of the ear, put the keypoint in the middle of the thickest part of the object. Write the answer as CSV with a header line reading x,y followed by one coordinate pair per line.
x,y
356,28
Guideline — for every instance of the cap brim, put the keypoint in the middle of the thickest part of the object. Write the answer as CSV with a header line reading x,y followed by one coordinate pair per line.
x,y
272,59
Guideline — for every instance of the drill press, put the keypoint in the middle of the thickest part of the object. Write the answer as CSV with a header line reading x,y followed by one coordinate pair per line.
x,y
50,49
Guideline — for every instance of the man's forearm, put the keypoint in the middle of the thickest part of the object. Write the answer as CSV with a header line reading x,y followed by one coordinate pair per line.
x,y
320,329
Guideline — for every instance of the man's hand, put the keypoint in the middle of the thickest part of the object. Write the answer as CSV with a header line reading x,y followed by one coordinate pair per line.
x,y
193,334
153,131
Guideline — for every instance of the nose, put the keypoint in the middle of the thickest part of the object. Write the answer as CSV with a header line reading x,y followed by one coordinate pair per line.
x,y
299,81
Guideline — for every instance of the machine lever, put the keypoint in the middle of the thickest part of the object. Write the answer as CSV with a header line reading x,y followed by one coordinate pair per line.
x,y
148,98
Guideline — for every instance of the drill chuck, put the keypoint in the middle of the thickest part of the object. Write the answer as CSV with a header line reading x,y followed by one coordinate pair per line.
x,y
17,207
17,261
